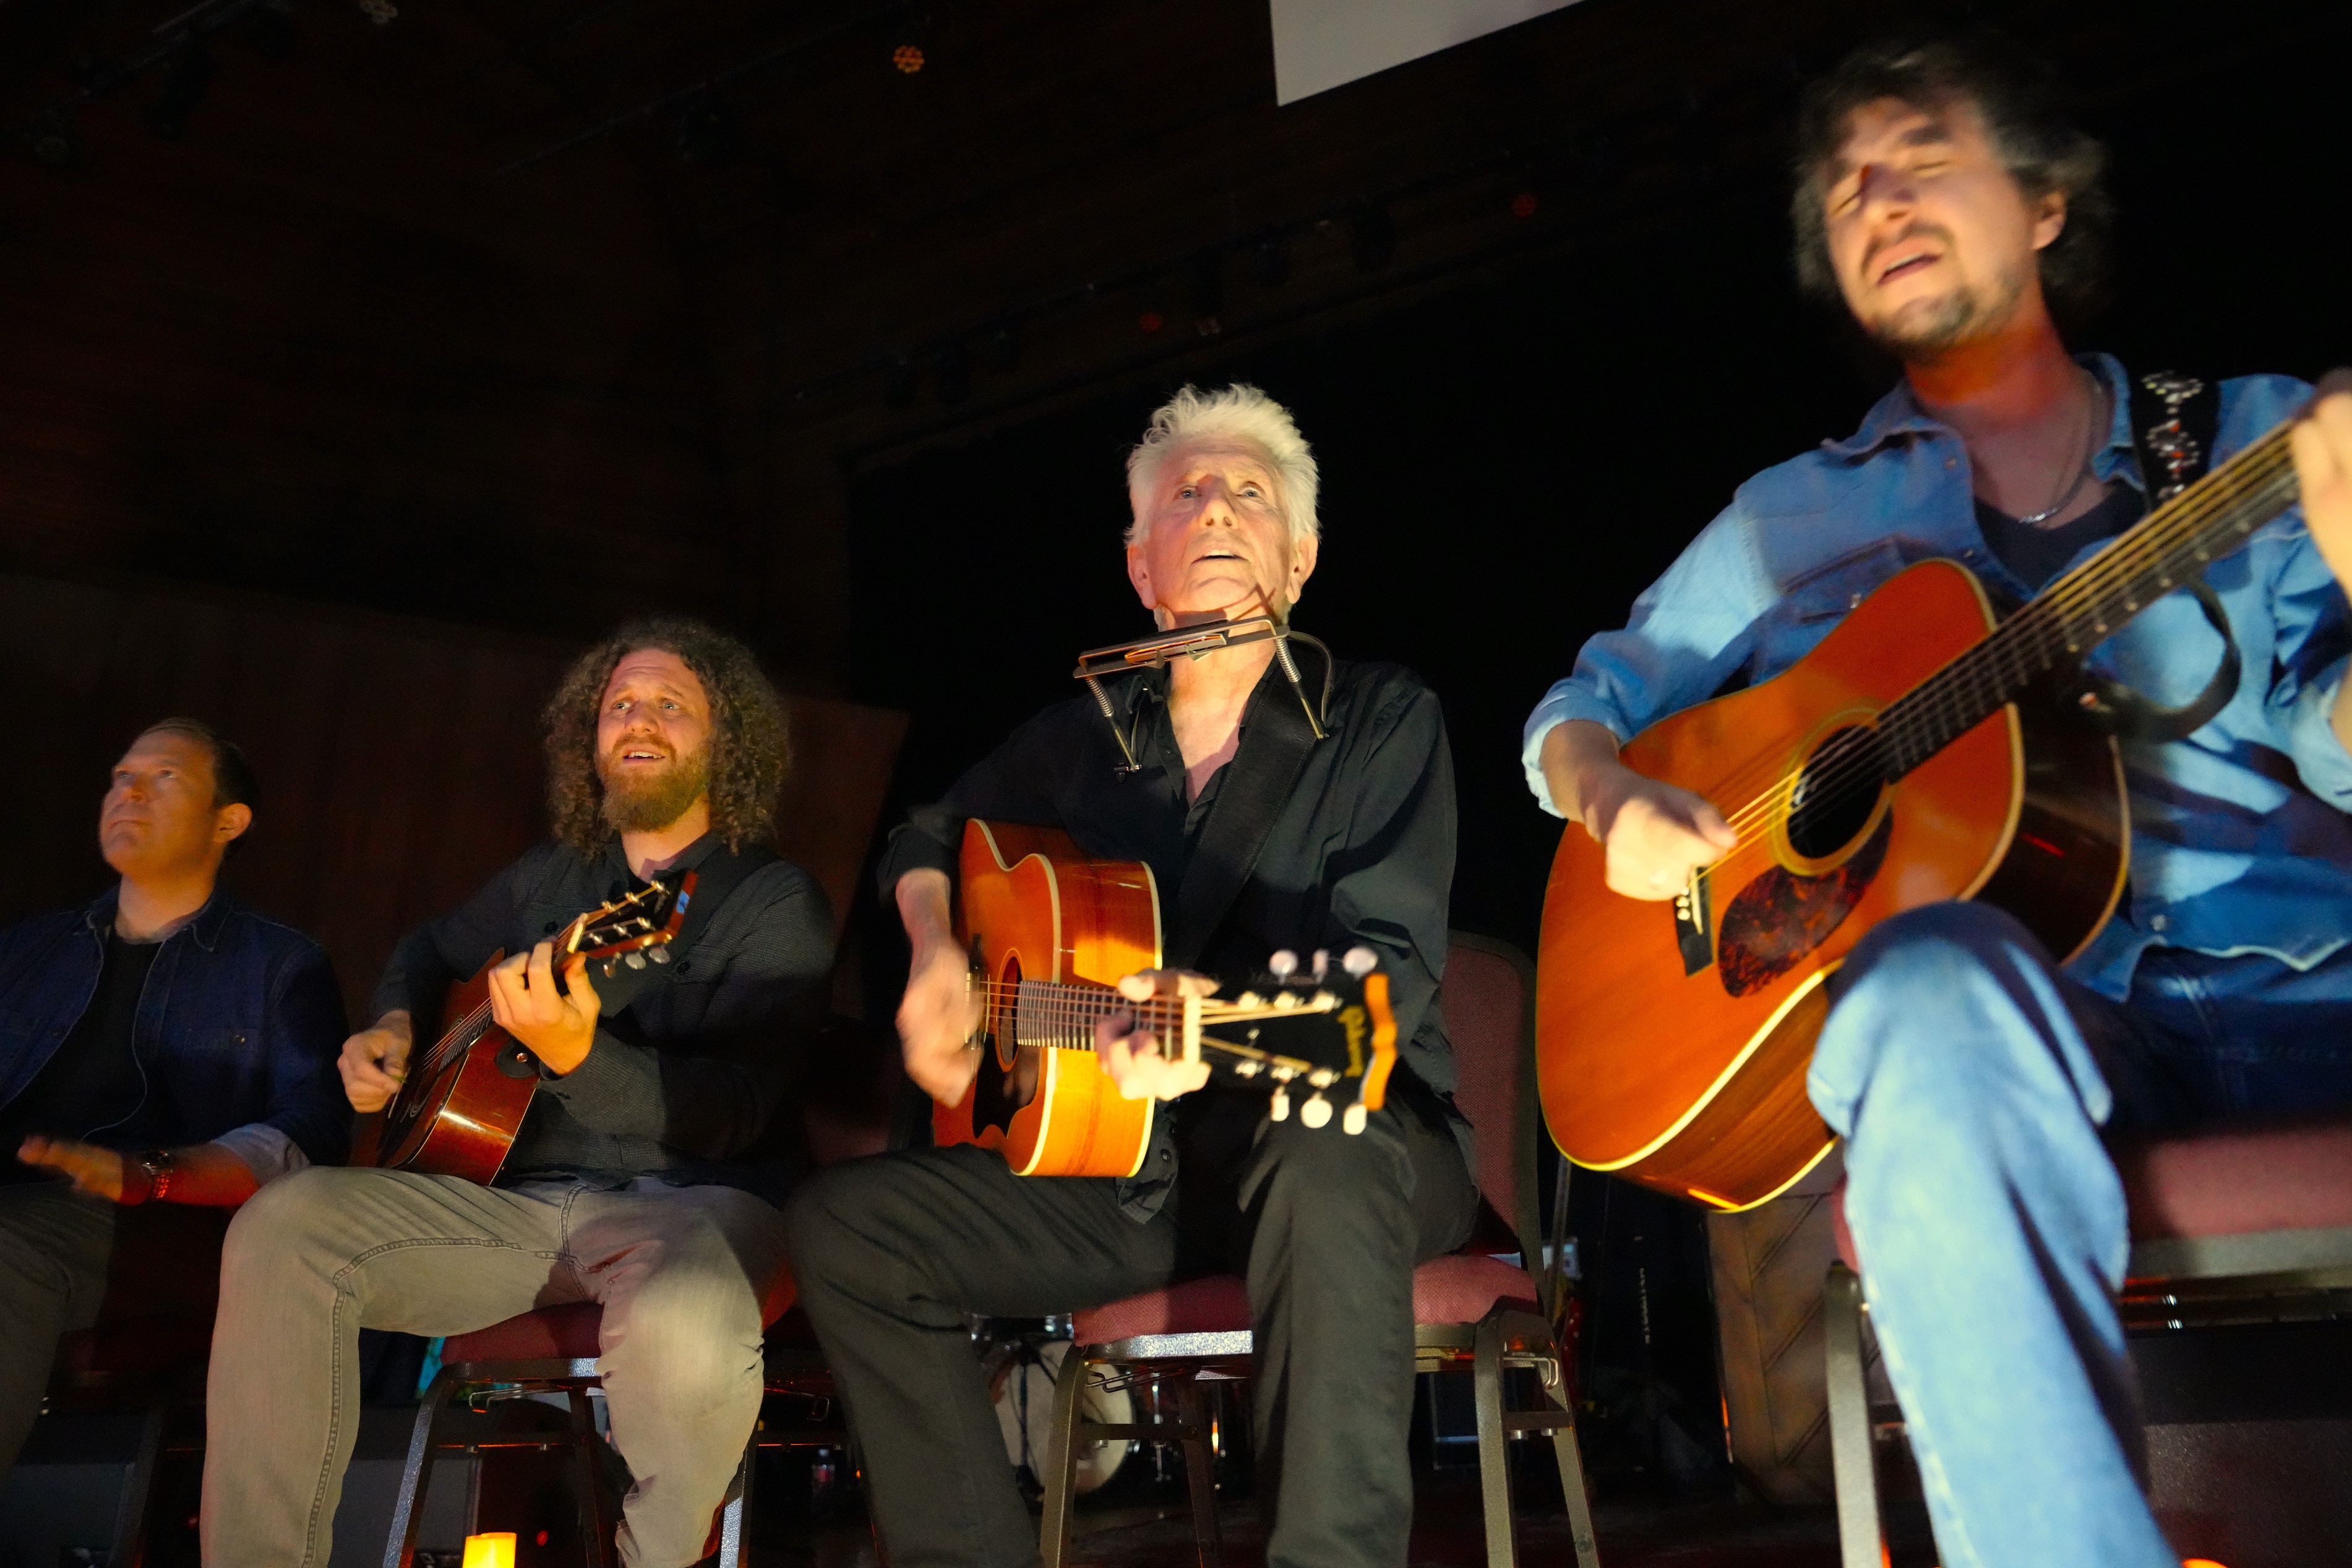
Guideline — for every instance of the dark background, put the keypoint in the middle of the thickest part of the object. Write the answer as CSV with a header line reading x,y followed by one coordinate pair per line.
x,y
513,315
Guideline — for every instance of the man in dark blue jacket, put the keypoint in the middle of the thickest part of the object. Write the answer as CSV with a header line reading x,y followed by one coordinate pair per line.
x,y
164,1045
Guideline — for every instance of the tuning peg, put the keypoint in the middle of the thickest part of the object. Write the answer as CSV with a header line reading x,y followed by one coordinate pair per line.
x,y
1354,1119
1322,962
1359,961
1317,1111
1279,1108
658,955
1249,1001
608,965
1283,964
636,960
1248,1069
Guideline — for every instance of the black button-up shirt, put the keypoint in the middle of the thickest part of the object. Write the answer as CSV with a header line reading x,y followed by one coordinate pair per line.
x,y
1361,851
688,1076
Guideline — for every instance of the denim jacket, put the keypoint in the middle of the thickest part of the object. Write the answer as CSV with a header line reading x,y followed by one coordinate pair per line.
x,y
2240,840
239,1025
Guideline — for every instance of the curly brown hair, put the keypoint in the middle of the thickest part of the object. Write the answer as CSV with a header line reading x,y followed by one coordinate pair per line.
x,y
751,750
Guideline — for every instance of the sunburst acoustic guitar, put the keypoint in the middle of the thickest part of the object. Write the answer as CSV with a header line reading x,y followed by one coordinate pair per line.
x,y
1923,751
1052,930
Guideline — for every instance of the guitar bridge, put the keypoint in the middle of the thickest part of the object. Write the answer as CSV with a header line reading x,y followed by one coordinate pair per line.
x,y
1694,924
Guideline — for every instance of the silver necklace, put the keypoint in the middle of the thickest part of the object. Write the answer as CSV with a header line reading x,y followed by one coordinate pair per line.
x,y
2080,471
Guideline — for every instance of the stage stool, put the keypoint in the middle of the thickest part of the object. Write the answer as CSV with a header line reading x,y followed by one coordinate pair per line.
x,y
1469,1311
2238,1226
553,1351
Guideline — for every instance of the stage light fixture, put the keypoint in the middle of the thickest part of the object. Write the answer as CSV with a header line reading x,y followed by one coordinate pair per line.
x,y
1523,205
908,59
1150,321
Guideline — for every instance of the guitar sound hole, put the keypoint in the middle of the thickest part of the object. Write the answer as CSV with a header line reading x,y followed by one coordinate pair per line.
x,y
1836,792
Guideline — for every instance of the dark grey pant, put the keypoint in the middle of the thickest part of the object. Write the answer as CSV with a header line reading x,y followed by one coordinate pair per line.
x,y
1327,1228
54,1249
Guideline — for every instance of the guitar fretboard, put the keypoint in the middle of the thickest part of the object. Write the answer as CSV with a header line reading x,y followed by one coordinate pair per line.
x,y
2166,550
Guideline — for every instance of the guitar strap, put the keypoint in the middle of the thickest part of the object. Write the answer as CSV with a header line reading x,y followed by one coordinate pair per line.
x,y
2174,419
722,870
1276,740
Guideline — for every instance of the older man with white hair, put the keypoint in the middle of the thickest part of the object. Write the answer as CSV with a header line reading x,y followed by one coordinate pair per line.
x,y
1262,835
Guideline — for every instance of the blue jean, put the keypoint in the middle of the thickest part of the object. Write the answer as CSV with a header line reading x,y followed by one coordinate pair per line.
x,y
1973,1084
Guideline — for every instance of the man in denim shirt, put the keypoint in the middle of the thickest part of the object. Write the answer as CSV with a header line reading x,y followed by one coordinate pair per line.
x,y
1946,199
164,1046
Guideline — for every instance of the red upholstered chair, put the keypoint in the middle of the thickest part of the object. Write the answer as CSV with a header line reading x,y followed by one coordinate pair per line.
x,y
2233,1225
845,1114
1470,1311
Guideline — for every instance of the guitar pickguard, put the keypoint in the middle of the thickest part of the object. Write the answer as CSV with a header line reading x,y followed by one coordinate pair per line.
x,y
1782,915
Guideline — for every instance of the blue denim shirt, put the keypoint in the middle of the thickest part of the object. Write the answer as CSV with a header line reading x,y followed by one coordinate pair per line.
x,y
2240,840
238,1025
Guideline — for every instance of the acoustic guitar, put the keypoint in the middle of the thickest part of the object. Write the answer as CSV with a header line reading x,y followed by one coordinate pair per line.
x,y
1924,751
459,1107
1051,930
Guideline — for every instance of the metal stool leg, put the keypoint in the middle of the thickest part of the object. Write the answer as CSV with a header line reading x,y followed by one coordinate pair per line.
x,y
735,1517
1494,1453
1200,1471
408,1507
139,1487
598,1518
1860,1541
1061,1461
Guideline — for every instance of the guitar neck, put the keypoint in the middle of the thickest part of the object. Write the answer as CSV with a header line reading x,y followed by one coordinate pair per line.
x,y
2169,548
1047,1012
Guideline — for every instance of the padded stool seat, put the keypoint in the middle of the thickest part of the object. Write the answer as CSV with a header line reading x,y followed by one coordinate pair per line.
x,y
2237,1181
565,1332
1450,1290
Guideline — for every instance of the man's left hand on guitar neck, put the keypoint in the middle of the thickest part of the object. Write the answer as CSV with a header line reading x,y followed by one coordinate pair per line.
x,y
1132,1057
2323,468
559,1025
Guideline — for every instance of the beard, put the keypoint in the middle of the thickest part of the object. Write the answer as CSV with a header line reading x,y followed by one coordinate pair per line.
x,y
1929,329
645,802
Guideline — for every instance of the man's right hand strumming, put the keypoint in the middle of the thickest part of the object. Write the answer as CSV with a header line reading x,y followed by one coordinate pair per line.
x,y
938,1014
375,1061
1655,833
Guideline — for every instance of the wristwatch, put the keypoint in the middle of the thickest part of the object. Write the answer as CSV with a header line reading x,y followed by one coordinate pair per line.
x,y
159,1171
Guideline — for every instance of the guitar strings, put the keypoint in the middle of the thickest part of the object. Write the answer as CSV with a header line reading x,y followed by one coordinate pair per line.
x,y
1954,697
2152,556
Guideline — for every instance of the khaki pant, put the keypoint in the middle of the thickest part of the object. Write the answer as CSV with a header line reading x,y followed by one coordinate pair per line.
x,y
684,1276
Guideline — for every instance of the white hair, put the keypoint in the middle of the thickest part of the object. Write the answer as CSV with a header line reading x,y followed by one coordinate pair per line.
x,y
1237,411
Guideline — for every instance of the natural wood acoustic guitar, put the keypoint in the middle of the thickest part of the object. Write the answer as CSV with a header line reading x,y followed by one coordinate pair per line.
x,y
1051,930
1924,751
462,1103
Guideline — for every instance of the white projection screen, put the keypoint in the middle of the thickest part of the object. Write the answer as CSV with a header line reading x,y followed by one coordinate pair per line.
x,y
1320,43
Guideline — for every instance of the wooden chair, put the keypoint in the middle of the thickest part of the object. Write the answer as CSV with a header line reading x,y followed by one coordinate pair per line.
x,y
2237,1226
1470,1312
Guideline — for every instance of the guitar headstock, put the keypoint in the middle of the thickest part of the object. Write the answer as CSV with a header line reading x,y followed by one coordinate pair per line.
x,y
632,929
1320,1026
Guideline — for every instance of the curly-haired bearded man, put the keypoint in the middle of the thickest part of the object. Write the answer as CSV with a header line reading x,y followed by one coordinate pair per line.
x,y
666,748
